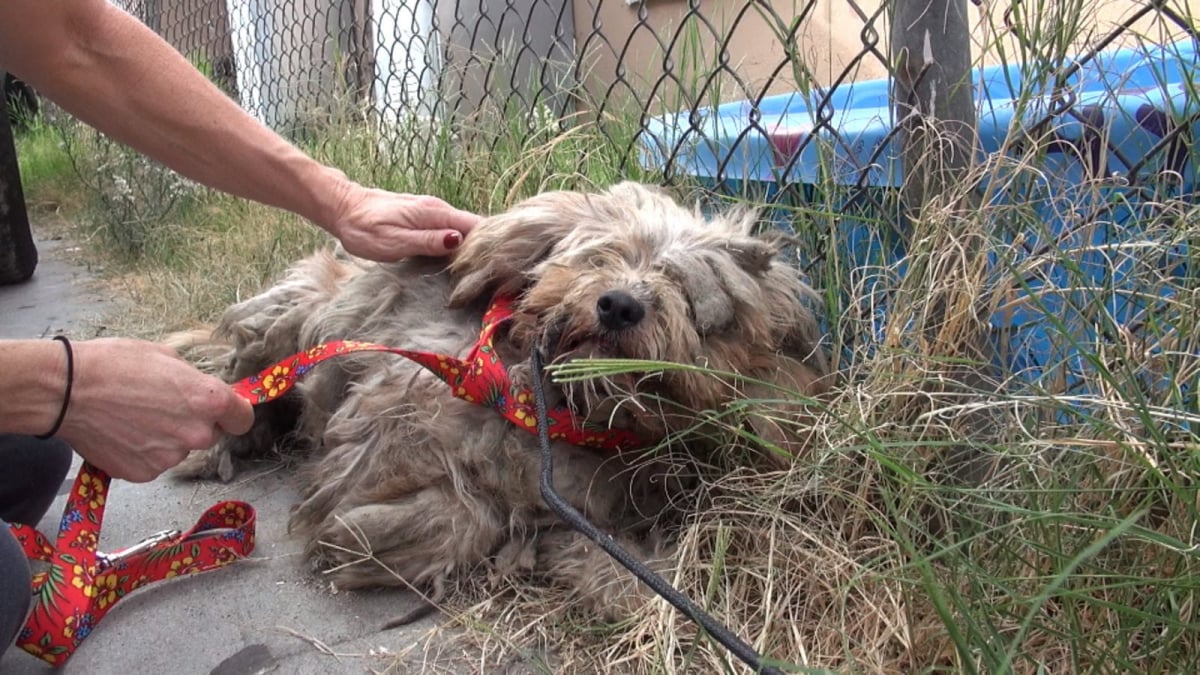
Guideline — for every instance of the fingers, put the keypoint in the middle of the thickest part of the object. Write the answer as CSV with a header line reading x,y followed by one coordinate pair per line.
x,y
237,417
439,242
165,349
154,465
443,227
449,218
221,410
396,243
387,226
140,409
141,468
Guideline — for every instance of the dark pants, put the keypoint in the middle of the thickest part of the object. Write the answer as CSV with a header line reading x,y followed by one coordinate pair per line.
x,y
33,471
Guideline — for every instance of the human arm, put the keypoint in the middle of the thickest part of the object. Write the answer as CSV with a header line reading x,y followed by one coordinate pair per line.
x,y
136,408
114,73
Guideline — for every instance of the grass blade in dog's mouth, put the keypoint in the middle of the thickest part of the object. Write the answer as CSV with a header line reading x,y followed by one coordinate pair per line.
x,y
577,370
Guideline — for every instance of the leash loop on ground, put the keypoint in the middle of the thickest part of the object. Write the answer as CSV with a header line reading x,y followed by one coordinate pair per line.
x,y
82,584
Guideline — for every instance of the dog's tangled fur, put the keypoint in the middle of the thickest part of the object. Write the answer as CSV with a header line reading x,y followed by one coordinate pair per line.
x,y
409,485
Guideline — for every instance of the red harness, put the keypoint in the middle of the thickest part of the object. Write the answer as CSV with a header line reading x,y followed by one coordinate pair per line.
x,y
82,584
479,378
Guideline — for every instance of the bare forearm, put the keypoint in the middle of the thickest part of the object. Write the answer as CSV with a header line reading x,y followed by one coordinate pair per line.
x,y
34,382
112,72
117,75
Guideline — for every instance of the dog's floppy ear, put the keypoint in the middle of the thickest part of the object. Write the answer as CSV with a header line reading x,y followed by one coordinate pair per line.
x,y
790,302
499,252
753,254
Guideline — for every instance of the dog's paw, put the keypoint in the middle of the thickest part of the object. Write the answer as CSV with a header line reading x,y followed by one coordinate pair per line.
x,y
212,464
599,584
517,557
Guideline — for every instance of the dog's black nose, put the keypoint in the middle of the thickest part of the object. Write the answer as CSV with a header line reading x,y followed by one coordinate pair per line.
x,y
618,310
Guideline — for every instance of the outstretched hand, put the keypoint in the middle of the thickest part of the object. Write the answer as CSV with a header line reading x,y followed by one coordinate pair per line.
x,y
387,226
138,409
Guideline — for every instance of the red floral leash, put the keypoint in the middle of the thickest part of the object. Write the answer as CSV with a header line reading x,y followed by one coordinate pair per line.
x,y
83,584
479,378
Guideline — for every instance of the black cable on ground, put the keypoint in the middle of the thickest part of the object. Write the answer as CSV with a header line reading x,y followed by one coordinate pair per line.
x,y
575,519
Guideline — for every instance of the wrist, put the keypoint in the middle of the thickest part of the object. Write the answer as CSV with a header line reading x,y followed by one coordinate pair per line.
x,y
70,382
331,191
31,394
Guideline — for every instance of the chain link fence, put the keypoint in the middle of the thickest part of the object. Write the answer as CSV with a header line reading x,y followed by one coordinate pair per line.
x,y
289,62
1083,113
734,94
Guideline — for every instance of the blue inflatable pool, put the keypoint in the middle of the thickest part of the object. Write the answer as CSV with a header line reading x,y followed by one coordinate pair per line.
x,y
1116,138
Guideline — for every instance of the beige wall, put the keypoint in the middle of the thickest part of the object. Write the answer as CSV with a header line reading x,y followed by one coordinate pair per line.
x,y
829,43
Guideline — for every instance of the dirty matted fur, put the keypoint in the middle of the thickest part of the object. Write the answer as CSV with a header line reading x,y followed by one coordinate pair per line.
x,y
409,485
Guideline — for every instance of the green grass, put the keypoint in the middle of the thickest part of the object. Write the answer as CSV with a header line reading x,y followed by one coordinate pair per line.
x,y
47,176
938,523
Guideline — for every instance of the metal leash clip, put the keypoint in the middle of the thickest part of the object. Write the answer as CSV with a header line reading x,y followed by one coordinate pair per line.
x,y
104,560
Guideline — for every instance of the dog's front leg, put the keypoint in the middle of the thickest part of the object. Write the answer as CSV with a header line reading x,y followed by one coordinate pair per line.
x,y
417,539
599,487
600,584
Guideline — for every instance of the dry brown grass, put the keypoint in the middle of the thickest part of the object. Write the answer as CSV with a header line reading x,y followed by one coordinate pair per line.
x,y
949,518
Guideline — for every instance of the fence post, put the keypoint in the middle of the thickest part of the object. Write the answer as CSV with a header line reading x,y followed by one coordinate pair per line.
x,y
933,98
18,253
934,103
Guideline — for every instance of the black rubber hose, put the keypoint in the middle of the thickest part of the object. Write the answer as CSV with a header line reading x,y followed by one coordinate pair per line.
x,y
575,519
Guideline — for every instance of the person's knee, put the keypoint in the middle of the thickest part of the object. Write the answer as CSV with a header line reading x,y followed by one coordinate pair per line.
x,y
15,587
34,470
58,461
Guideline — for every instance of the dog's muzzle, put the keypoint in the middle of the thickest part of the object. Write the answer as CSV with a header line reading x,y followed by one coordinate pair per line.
x,y
618,311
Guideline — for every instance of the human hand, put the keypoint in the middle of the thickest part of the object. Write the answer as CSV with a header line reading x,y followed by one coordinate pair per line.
x,y
387,226
138,409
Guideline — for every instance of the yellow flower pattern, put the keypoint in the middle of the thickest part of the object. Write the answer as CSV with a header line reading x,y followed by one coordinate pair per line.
x,y
81,584
91,488
277,381
106,584
182,566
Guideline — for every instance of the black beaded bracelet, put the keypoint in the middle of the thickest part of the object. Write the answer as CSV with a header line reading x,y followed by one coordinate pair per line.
x,y
62,414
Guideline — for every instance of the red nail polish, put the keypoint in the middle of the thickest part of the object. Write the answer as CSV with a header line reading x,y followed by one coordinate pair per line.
x,y
452,240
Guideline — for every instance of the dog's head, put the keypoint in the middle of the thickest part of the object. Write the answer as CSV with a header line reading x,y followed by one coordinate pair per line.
x,y
629,273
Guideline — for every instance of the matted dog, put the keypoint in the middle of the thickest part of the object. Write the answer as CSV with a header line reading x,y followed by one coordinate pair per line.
x,y
409,484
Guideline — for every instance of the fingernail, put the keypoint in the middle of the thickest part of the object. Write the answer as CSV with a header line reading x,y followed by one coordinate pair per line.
x,y
452,240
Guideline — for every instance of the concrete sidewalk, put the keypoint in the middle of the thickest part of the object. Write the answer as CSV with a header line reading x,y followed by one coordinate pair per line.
x,y
267,614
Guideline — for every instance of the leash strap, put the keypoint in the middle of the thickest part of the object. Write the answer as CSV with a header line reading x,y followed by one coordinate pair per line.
x,y
479,378
83,584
